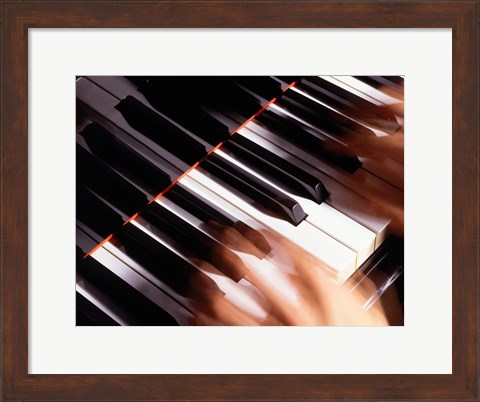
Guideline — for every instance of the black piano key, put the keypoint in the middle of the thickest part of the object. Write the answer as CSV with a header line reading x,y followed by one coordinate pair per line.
x,y
286,79
229,118
378,81
185,111
369,80
126,161
83,241
272,200
205,211
161,131
97,215
223,91
199,243
347,102
330,150
266,87
322,117
395,79
277,169
395,83
198,206
131,303
100,108
88,314
331,94
162,262
200,97
104,181
177,228
137,79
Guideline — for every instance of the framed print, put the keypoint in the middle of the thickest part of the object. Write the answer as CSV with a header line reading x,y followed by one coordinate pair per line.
x,y
277,61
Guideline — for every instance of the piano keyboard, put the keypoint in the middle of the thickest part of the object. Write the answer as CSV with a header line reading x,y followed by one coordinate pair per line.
x,y
162,162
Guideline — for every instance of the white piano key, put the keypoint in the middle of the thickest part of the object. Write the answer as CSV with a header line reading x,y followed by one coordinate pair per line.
x,y
142,285
285,112
277,256
235,293
186,216
137,267
350,203
339,258
344,229
378,133
328,219
276,265
337,80
361,87
299,91
269,274
240,294
219,202
98,299
169,243
387,169
375,130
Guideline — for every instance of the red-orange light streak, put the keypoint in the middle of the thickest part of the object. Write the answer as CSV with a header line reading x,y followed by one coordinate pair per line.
x,y
98,246
193,167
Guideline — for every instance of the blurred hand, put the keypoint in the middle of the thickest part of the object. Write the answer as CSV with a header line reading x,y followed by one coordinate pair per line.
x,y
389,119
317,300
390,145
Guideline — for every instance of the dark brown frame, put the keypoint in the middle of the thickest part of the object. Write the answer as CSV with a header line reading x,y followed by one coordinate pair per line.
x,y
17,17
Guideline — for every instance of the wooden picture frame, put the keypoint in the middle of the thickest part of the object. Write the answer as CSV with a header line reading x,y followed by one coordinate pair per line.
x,y
18,16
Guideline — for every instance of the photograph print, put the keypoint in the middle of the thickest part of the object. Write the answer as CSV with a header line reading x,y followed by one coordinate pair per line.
x,y
239,200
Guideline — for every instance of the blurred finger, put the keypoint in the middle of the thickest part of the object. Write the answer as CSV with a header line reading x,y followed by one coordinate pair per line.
x,y
228,262
385,119
201,286
254,236
221,310
308,268
396,108
202,319
379,148
282,307
391,145
231,238
392,93
271,321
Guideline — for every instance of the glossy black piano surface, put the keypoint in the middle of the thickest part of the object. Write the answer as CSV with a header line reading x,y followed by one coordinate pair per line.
x,y
165,164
